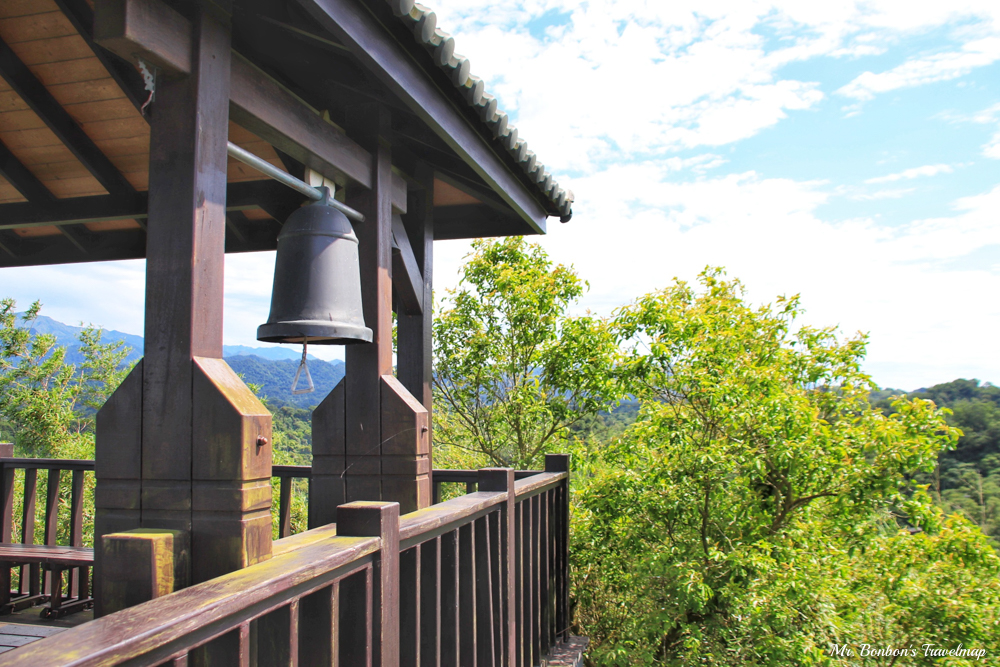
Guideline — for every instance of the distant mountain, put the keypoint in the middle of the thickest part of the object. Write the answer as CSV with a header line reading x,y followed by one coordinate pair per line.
x,y
272,367
276,376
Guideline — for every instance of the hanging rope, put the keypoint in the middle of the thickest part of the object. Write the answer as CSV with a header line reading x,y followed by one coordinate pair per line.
x,y
309,387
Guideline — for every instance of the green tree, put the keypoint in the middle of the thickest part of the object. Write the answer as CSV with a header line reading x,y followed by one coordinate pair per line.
x,y
513,371
759,511
49,405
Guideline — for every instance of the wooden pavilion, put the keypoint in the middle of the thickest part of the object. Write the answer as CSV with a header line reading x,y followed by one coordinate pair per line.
x,y
115,117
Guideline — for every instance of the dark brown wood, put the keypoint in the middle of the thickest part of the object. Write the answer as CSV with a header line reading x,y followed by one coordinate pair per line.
x,y
366,364
518,599
467,592
151,30
430,603
125,75
76,527
29,574
22,179
37,96
355,620
267,109
409,606
502,479
413,332
377,519
534,618
407,280
484,593
276,635
328,489
545,590
450,600
7,520
317,628
285,508
355,27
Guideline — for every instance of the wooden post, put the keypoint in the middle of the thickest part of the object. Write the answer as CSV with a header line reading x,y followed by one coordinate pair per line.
x,y
366,364
502,479
147,563
185,445
377,519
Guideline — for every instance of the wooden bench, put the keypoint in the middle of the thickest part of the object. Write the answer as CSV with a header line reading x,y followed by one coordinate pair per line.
x,y
55,560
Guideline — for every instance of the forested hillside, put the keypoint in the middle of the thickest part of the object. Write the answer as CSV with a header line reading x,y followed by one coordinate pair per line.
x,y
967,479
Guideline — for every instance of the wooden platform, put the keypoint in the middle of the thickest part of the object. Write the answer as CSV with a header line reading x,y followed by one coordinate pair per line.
x,y
25,627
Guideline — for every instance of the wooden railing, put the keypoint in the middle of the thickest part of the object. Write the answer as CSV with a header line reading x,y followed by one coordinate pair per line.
x,y
54,469
478,580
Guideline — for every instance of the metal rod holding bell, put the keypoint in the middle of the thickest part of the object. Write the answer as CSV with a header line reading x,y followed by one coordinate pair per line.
x,y
268,169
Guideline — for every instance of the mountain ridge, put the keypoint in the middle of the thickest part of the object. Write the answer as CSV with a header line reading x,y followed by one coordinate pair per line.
x,y
273,368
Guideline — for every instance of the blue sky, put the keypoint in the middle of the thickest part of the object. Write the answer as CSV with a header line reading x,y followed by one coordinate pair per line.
x,y
847,152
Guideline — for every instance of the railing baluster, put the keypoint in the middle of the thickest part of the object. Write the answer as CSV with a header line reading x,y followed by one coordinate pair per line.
x,y
7,520
76,528
561,463
430,603
51,518
470,487
244,648
536,601
285,507
519,634
29,573
436,490
504,572
466,596
484,593
317,628
545,616
498,588
450,603
409,606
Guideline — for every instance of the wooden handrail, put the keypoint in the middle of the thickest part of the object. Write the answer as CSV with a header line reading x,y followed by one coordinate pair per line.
x,y
482,577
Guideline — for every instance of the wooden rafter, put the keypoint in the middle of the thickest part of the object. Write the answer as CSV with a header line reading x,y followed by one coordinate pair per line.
x,y
34,93
22,179
125,75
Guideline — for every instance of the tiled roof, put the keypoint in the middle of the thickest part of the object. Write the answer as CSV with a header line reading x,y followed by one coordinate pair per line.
x,y
422,22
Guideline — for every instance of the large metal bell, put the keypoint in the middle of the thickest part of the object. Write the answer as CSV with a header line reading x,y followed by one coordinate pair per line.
x,y
317,281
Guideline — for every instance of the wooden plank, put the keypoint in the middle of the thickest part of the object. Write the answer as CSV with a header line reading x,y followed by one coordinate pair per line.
x,y
355,27
502,479
45,51
20,78
317,628
29,27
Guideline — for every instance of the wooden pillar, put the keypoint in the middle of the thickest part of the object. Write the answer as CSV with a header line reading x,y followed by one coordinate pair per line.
x,y
366,364
197,452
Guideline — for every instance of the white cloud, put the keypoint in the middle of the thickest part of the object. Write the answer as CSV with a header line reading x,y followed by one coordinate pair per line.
x,y
915,172
924,70
896,193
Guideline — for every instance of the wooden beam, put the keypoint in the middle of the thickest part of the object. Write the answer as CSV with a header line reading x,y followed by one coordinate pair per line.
x,y
106,246
273,197
31,90
22,179
353,25
414,342
124,73
151,30
406,277
474,221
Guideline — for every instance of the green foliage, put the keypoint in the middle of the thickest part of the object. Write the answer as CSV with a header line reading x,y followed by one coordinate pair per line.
x,y
512,371
967,478
48,404
759,510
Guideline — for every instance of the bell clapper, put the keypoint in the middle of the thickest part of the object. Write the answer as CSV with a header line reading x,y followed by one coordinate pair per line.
x,y
309,387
